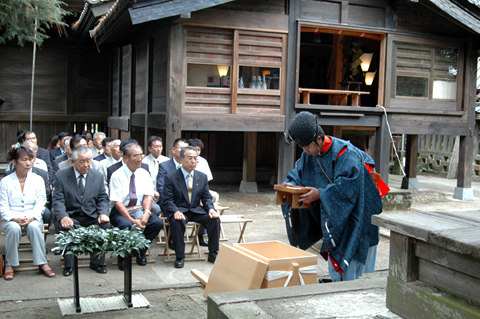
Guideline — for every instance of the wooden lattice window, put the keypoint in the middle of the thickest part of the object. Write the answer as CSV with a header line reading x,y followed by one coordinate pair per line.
x,y
425,72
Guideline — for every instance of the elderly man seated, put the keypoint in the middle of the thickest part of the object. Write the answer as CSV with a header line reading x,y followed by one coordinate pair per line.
x,y
131,191
184,191
80,199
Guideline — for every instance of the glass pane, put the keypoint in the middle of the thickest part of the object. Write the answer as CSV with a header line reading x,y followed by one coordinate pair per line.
x,y
412,86
445,73
258,77
208,75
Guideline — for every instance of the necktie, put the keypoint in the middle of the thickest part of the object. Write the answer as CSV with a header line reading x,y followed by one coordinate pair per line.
x,y
132,192
81,187
190,186
155,168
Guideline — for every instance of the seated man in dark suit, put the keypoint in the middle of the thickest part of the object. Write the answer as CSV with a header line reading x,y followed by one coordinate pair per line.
x,y
131,191
107,149
62,158
56,152
169,166
41,152
80,198
182,195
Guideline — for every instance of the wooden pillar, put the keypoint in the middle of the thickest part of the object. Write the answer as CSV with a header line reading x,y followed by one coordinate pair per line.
x,y
175,86
249,183
464,189
382,149
337,131
411,180
287,151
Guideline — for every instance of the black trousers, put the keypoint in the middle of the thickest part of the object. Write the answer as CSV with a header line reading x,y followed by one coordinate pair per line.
x,y
177,230
84,220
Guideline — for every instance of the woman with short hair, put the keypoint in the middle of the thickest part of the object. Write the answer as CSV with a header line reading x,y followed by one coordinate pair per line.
x,y
22,200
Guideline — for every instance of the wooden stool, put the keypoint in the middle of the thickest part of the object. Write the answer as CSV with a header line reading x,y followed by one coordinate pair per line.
x,y
194,241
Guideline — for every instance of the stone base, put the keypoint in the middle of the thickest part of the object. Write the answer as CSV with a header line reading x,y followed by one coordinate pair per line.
x,y
397,199
248,187
463,193
411,183
417,300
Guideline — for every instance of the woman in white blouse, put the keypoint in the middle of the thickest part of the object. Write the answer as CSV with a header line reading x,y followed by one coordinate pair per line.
x,y
22,200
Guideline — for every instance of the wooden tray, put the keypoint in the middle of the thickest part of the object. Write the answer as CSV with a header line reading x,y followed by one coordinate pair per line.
x,y
289,195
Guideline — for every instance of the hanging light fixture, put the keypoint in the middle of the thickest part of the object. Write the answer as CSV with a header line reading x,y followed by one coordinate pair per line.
x,y
369,76
223,70
366,59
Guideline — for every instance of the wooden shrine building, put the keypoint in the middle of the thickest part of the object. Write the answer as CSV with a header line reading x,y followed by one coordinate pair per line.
x,y
235,73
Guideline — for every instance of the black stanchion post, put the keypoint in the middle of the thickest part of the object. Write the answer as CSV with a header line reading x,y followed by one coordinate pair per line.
x,y
76,285
127,280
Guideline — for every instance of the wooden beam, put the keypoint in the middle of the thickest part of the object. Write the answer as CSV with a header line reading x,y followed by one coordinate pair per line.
x,y
249,157
382,148
411,162
232,122
234,73
176,74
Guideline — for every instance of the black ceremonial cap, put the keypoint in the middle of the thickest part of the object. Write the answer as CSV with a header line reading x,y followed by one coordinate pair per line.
x,y
303,128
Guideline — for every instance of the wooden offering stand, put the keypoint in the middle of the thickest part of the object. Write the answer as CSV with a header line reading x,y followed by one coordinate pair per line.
x,y
289,195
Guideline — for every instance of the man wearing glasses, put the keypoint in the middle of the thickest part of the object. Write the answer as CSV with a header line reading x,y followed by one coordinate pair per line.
x,y
132,193
169,166
342,197
185,188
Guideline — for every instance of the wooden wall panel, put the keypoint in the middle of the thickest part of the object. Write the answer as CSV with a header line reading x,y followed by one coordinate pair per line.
x,y
363,15
159,72
71,89
126,83
140,78
89,92
209,46
116,76
50,79
325,11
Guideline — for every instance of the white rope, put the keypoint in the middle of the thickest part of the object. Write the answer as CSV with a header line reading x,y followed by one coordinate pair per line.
x,y
395,148
274,275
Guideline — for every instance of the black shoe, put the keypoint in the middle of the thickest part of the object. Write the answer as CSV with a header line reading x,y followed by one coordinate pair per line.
x,y
171,245
57,252
98,268
120,263
179,262
67,271
324,281
202,241
212,256
141,259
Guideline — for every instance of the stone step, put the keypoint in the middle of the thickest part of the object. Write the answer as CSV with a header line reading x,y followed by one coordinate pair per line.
x,y
397,199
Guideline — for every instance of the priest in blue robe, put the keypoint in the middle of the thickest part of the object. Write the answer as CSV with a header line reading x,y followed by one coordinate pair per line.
x,y
341,198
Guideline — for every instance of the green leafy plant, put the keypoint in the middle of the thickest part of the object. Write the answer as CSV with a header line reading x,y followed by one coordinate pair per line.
x,y
97,241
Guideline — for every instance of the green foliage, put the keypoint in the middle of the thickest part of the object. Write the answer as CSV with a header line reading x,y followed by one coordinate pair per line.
x,y
17,19
94,240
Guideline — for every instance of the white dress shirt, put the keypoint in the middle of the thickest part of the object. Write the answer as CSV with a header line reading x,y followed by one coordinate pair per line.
x,y
202,166
14,203
39,163
96,152
150,161
120,185
106,163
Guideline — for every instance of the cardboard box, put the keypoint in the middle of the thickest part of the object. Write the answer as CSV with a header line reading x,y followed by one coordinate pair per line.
x,y
235,270
281,257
